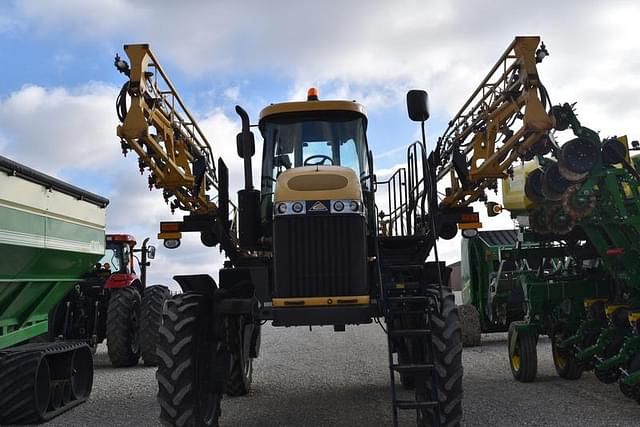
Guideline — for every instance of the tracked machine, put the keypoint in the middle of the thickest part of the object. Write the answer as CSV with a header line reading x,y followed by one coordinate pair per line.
x,y
50,234
308,247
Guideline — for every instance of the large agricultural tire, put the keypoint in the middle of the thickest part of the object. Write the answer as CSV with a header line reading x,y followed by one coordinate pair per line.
x,y
447,357
192,367
241,365
471,329
123,340
153,301
523,360
567,366
24,388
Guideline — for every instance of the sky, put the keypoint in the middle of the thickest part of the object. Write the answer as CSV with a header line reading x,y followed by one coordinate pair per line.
x,y
58,85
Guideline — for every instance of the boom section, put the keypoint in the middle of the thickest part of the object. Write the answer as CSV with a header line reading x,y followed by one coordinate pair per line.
x,y
504,119
164,134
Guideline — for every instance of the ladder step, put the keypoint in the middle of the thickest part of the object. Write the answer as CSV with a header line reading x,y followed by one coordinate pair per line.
x,y
411,404
413,367
400,312
409,332
410,298
406,267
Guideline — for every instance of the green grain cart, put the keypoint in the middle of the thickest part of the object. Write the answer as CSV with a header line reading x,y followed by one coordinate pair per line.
x,y
51,233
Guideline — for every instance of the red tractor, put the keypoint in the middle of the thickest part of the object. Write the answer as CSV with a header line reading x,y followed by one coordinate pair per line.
x,y
114,302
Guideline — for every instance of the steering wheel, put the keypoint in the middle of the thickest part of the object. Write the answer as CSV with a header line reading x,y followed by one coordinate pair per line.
x,y
322,158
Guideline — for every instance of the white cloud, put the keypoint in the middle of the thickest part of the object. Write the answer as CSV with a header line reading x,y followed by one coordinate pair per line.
x,y
53,129
232,93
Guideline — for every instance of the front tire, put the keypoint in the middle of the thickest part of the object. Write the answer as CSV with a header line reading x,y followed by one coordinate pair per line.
x,y
523,359
150,320
123,341
241,365
447,357
189,363
567,366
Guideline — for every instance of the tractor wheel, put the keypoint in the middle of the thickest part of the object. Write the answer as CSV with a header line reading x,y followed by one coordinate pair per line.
x,y
471,329
567,366
123,340
192,365
447,357
523,359
150,320
241,366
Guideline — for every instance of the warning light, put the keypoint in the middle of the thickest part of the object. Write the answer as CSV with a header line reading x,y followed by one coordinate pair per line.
x,y
312,94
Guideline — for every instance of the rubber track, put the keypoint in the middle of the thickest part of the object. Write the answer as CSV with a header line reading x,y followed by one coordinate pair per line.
x,y
176,369
447,355
119,328
150,321
18,367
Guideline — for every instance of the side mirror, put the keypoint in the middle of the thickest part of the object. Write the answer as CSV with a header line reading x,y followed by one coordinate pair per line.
x,y
151,252
245,144
418,105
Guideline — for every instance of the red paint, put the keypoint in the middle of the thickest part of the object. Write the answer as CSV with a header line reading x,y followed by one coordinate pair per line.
x,y
120,280
615,251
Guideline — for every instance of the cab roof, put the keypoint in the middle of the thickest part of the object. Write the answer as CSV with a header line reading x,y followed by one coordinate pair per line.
x,y
311,106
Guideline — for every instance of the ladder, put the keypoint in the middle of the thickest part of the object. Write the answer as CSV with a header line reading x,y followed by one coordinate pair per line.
x,y
407,315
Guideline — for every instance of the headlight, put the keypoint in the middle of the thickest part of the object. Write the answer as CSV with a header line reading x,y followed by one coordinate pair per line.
x,y
297,207
171,243
354,206
282,208
338,206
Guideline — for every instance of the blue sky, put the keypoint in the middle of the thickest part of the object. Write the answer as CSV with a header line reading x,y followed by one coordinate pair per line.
x,y
58,85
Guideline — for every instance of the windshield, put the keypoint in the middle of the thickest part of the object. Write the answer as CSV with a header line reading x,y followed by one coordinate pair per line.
x,y
333,139
114,255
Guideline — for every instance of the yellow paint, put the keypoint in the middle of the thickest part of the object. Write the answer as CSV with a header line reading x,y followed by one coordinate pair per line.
x,y
609,309
317,183
515,362
320,301
590,301
513,196
170,236
308,106
468,225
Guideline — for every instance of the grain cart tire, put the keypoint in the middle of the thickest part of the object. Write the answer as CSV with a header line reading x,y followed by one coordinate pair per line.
x,y
123,340
523,359
150,320
241,364
447,357
192,365
567,366
470,320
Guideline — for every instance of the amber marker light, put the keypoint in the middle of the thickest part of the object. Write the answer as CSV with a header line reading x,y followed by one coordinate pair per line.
x,y
312,94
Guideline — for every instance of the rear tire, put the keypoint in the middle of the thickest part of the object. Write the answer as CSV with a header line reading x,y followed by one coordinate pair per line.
x,y
471,329
523,360
153,301
447,357
188,361
123,343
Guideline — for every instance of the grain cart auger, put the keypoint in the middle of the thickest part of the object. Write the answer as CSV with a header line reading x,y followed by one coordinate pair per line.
x,y
310,246
51,233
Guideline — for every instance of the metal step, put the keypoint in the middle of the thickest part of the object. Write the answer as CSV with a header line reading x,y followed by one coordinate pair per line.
x,y
409,332
401,312
413,367
412,404
409,298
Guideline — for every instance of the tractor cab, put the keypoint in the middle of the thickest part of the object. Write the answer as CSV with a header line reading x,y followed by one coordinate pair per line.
x,y
118,254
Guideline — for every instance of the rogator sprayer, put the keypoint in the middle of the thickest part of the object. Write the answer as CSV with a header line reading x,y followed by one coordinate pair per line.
x,y
308,247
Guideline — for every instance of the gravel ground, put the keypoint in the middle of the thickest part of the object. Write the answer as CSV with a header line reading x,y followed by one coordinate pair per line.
x,y
324,378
